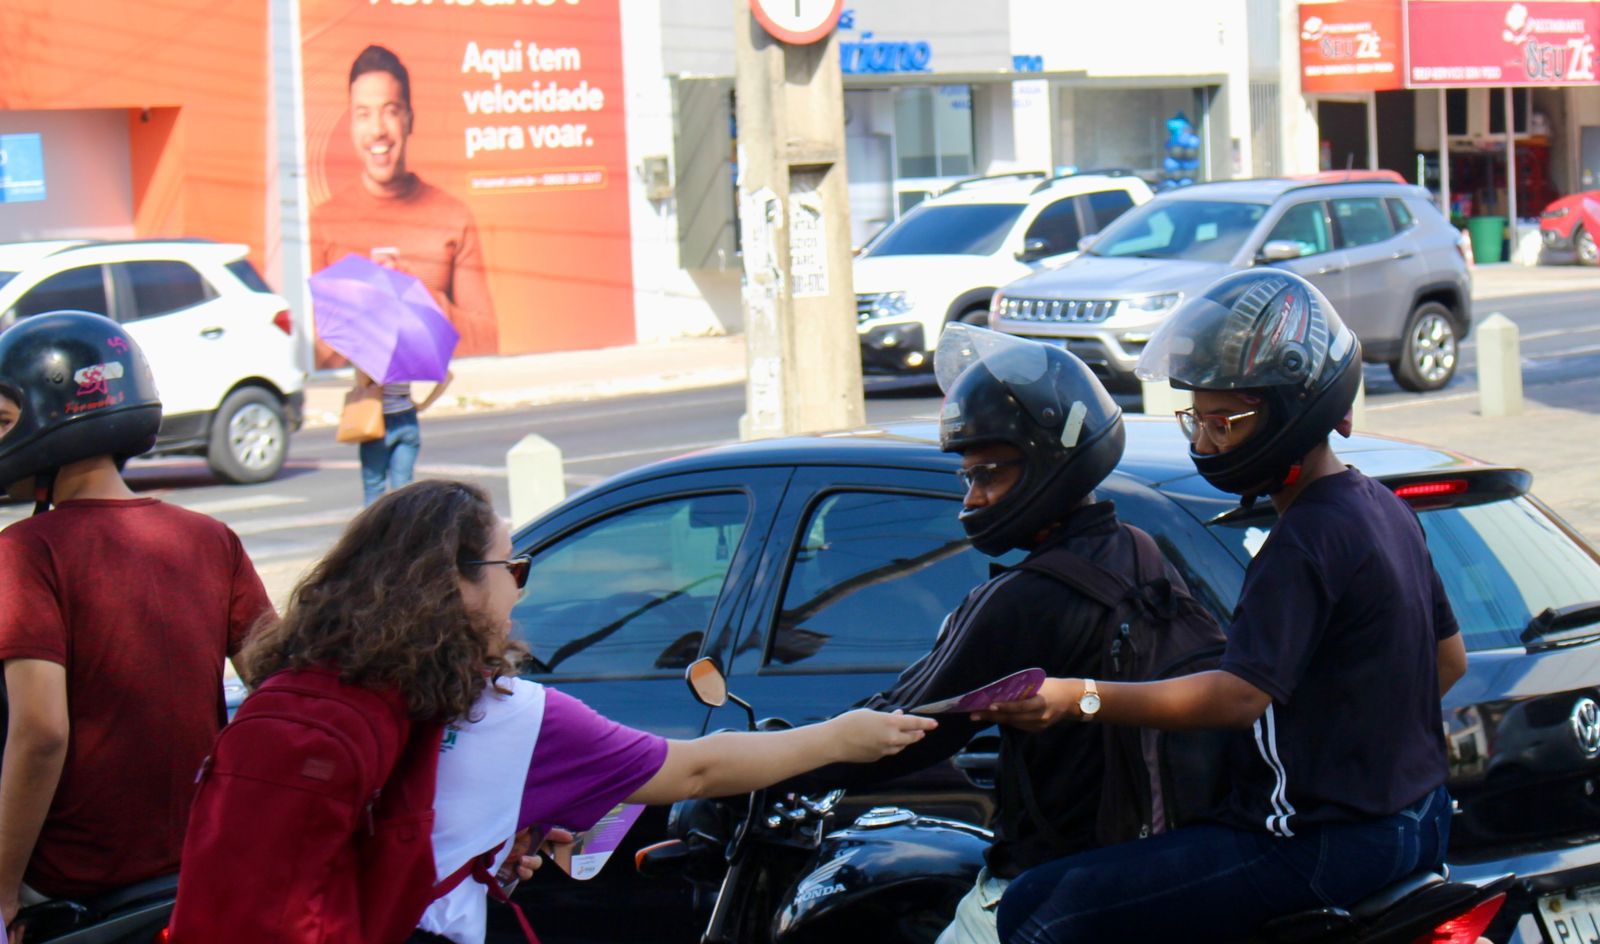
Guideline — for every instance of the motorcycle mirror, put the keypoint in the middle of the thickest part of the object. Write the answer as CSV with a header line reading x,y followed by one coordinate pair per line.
x,y
707,683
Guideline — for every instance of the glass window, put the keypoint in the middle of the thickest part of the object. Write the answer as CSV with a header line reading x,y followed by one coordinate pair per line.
x,y
933,131
969,229
1205,230
162,287
1108,205
80,289
1401,213
1305,225
246,273
1057,226
6,277
873,580
1127,128
632,594
1362,221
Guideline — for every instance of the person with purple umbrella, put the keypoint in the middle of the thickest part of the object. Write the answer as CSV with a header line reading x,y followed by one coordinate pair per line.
x,y
391,461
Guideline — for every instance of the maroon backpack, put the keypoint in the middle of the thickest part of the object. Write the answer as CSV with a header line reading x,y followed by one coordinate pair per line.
x,y
313,820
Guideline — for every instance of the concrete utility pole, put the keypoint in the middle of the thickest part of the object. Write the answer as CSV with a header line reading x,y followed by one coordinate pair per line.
x,y
794,221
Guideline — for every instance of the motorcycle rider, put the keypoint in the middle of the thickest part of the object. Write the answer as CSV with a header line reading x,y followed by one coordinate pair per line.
x,y
116,613
1340,647
1037,433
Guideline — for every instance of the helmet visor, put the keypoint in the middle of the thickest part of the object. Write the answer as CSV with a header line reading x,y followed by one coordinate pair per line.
x,y
1276,332
1011,359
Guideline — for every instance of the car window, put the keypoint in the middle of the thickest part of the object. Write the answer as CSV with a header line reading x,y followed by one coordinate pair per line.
x,y
1108,205
632,594
1057,226
246,273
1401,213
1362,221
1304,225
80,289
970,229
6,277
164,286
872,581
1202,230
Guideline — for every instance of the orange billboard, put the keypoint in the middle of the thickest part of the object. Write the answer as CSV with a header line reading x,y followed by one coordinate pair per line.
x,y
1351,46
480,147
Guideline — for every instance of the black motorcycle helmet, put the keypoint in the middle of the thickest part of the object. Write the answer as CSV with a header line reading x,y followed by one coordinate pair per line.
x,y
1040,399
1271,333
83,388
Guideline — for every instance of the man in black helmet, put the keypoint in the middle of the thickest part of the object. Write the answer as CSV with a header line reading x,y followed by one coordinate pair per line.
x,y
1339,649
116,613
1037,433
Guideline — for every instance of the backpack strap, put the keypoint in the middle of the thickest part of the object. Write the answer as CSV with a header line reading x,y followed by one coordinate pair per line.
x,y
477,868
1148,563
1082,574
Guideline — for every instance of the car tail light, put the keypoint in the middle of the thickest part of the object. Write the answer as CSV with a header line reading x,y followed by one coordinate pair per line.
x,y
163,936
1424,490
283,322
1467,928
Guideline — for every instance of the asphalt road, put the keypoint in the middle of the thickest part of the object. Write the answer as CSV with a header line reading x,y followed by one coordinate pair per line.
x,y
286,523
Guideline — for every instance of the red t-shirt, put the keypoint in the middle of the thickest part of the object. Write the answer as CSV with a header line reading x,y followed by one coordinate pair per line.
x,y
141,601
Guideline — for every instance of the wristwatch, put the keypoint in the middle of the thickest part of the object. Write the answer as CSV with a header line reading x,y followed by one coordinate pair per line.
x,y
1089,701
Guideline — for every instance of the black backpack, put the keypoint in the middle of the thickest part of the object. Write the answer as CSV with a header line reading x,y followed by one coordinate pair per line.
x,y
1153,629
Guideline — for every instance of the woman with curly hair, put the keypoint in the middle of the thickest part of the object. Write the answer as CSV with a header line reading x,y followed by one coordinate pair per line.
x,y
388,750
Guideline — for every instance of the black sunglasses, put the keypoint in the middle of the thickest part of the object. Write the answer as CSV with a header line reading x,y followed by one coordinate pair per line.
x,y
519,567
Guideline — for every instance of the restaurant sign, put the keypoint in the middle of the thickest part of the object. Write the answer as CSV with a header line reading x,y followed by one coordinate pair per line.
x,y
1350,46
1473,42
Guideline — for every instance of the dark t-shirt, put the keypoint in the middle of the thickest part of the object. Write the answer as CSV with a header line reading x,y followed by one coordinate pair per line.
x,y
140,601
1339,621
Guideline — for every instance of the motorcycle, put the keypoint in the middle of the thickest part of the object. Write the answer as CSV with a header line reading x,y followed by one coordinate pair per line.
x,y
136,914
780,876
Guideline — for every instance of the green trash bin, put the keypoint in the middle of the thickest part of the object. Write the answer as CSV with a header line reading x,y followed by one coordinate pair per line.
x,y
1488,238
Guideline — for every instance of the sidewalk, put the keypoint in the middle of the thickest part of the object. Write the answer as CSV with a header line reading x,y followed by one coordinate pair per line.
x,y
1503,279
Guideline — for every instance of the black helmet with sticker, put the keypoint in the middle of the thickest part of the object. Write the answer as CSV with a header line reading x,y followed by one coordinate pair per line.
x,y
1041,400
1271,333
83,389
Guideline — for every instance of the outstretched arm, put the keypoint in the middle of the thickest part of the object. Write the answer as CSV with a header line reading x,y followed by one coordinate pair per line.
x,y
1213,699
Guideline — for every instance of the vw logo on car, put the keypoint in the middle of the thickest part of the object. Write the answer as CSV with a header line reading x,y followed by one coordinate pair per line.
x,y
1586,725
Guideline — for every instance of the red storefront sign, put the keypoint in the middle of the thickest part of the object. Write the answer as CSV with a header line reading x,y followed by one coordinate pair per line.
x,y
1501,42
1350,46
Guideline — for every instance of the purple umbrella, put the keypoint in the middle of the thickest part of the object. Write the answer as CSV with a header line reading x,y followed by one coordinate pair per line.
x,y
383,320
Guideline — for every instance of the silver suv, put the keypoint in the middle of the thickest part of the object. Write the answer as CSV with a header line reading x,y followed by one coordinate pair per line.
x,y
1381,251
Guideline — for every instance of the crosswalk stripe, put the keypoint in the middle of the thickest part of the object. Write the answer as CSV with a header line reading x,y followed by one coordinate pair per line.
x,y
222,506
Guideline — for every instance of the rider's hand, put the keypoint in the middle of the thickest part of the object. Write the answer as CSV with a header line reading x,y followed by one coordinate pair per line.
x,y
866,735
1057,699
557,847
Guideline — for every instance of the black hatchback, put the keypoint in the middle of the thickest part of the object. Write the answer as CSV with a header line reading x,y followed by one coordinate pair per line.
x,y
816,568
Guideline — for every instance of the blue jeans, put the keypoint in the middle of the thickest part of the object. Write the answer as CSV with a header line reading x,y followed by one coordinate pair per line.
x,y
390,462
1216,883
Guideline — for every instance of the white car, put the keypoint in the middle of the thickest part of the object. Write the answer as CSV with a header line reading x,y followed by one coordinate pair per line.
x,y
943,260
219,342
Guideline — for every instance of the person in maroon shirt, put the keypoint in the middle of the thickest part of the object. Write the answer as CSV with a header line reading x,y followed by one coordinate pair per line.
x,y
116,613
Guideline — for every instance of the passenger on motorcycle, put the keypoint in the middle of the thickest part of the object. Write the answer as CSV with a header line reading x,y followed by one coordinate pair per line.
x,y
1037,433
1340,647
414,602
116,614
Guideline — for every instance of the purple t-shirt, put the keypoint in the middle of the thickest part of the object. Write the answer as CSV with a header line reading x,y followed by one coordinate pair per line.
x,y
583,765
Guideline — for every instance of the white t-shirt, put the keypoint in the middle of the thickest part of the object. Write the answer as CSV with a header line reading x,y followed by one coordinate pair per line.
x,y
483,766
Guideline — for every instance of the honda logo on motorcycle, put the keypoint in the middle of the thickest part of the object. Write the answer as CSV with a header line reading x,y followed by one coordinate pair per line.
x,y
1586,725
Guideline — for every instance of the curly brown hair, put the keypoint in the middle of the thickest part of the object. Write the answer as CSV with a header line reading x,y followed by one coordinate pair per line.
x,y
384,607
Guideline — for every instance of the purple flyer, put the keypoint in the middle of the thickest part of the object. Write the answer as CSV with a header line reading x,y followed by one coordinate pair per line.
x,y
592,848
1016,686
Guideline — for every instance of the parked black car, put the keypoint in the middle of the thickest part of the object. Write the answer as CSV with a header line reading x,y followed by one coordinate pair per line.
x,y
815,568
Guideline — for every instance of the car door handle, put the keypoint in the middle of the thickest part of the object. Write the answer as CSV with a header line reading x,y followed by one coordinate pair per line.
x,y
211,334
1330,270
1402,254
976,760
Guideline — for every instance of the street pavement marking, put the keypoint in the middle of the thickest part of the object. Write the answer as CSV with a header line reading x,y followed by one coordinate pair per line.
x,y
222,506
288,522
630,453
442,469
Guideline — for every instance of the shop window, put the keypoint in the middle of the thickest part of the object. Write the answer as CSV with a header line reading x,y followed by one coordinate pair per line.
x,y
1127,128
633,594
1108,205
1362,221
1056,227
162,287
933,131
80,289
1307,226
873,580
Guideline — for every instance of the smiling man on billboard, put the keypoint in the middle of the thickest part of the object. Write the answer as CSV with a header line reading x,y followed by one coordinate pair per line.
x,y
391,216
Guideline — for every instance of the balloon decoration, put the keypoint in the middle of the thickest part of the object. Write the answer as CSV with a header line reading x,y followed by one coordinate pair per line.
x,y
1183,152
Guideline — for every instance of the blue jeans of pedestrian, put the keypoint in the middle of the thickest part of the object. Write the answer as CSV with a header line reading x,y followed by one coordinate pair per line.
x,y
1217,883
391,461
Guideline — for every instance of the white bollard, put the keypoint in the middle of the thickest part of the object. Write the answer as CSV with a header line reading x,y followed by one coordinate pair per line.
x,y
535,476
1499,367
1161,399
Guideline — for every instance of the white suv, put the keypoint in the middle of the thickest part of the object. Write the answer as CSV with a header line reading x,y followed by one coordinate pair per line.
x,y
943,260
219,342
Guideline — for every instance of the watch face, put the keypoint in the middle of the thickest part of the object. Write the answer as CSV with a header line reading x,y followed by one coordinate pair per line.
x,y
1089,703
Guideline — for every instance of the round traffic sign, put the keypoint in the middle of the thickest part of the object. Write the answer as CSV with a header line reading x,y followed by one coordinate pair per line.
x,y
797,21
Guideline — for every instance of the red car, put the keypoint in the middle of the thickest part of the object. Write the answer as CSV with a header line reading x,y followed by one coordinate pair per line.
x,y
1571,223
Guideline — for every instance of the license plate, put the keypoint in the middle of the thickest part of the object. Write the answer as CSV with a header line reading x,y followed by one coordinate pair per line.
x,y
1573,919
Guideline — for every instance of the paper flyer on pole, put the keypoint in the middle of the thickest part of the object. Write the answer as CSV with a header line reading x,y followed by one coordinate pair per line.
x,y
1015,686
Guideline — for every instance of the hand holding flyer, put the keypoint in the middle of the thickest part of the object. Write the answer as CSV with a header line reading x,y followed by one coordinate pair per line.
x,y
591,848
1014,687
